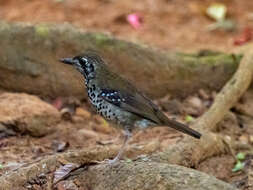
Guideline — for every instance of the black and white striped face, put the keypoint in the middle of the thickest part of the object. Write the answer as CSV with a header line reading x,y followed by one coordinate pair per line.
x,y
84,64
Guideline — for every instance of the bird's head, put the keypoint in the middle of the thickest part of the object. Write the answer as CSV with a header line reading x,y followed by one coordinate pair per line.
x,y
88,64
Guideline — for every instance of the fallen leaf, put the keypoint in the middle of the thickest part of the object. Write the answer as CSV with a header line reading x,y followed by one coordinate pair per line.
x,y
217,11
240,156
226,25
134,20
128,160
245,37
239,166
59,146
189,118
64,171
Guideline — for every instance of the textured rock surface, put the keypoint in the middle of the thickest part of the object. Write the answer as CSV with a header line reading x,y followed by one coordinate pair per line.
x,y
29,54
148,176
143,175
27,114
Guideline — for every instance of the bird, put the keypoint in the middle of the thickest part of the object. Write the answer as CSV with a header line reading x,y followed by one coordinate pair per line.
x,y
119,101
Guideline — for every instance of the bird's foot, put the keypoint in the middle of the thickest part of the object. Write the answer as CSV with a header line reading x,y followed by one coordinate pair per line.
x,y
109,161
113,161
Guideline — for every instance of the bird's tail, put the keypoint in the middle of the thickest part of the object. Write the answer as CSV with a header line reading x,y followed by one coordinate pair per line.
x,y
178,126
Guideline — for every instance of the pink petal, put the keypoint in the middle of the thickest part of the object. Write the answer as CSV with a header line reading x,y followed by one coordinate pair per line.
x,y
134,20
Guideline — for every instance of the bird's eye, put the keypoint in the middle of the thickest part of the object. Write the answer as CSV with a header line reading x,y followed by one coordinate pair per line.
x,y
84,60
86,65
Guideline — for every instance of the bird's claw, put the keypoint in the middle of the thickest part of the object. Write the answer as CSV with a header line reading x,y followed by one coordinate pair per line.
x,y
108,161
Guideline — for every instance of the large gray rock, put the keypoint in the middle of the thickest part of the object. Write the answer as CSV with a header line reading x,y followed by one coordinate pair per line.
x,y
143,175
148,176
29,62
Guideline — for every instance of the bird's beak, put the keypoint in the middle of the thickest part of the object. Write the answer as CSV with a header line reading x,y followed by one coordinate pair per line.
x,y
69,61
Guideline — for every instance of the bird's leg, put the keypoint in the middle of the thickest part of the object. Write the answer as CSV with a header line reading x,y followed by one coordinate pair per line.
x,y
127,135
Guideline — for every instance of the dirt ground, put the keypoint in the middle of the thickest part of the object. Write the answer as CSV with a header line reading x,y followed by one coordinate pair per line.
x,y
167,24
80,127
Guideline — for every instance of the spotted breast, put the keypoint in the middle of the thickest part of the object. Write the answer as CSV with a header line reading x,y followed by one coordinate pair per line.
x,y
111,112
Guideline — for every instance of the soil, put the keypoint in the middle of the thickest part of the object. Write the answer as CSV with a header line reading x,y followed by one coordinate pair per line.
x,y
178,25
167,24
82,128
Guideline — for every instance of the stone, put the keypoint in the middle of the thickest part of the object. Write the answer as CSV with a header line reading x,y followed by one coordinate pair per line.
x,y
27,114
83,113
87,134
203,94
194,106
102,126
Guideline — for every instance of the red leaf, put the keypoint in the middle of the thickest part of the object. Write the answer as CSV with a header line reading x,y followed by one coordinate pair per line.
x,y
245,37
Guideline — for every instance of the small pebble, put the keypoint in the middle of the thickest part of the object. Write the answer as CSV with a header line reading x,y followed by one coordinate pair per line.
x,y
87,134
244,139
83,113
203,94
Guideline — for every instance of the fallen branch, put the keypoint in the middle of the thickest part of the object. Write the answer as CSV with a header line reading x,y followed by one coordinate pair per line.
x,y
158,73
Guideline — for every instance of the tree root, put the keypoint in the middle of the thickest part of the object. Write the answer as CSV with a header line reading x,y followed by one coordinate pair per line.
x,y
190,152
134,175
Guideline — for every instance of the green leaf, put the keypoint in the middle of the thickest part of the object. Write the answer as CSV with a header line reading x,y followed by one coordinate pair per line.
x,y
226,25
128,160
239,166
1,166
240,156
189,118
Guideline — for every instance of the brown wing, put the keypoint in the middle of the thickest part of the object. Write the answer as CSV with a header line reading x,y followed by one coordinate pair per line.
x,y
121,93
134,103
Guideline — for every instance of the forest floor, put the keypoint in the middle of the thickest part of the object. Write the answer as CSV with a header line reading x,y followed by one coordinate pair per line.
x,y
167,24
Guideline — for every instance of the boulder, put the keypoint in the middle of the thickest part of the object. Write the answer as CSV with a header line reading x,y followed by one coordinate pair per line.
x,y
27,114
